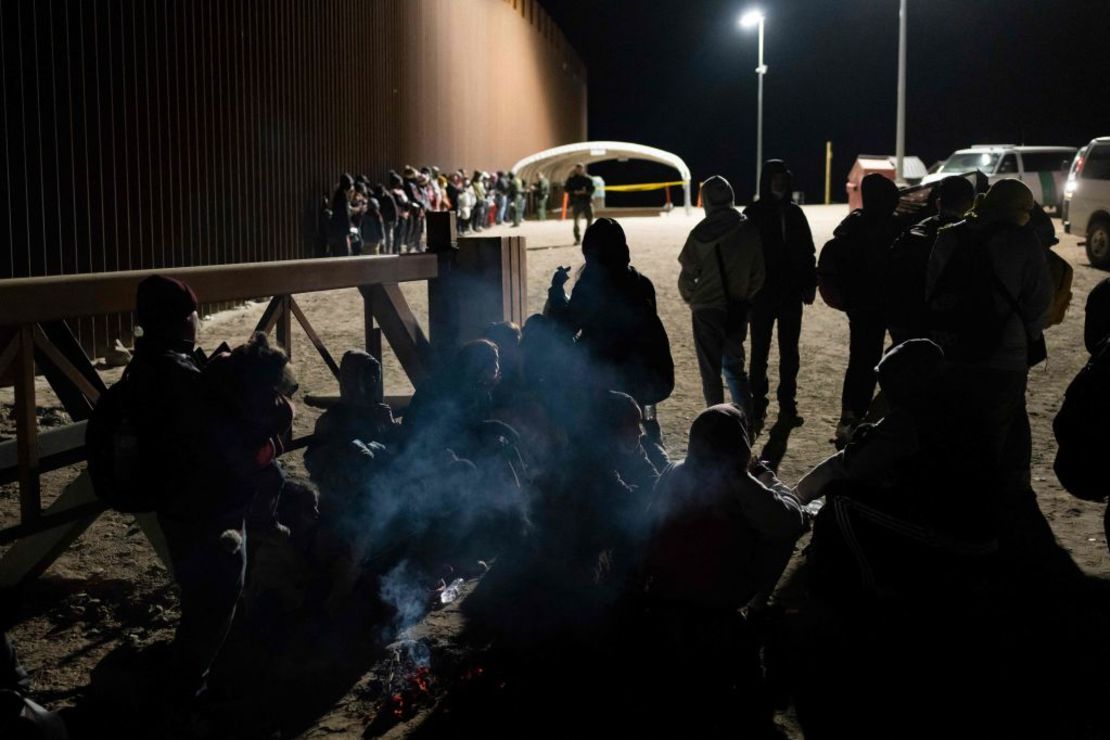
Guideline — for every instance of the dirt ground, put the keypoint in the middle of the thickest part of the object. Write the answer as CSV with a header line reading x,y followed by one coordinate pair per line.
x,y
108,589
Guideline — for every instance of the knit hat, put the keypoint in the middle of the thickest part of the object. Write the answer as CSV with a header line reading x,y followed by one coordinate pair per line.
x,y
162,304
716,192
909,370
880,194
1007,201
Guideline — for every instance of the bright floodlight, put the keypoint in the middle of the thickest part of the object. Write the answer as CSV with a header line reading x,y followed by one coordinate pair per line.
x,y
751,19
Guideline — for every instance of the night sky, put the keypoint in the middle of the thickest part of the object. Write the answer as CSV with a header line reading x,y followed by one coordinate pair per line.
x,y
680,76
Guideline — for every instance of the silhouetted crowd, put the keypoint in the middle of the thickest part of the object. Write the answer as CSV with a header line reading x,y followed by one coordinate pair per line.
x,y
624,586
359,217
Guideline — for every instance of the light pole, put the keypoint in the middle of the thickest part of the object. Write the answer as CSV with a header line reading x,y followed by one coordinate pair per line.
x,y
753,19
900,133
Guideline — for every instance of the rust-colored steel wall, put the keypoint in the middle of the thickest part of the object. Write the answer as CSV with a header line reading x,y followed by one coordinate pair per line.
x,y
149,133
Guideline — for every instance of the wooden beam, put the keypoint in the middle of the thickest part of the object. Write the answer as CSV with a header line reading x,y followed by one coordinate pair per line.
x,y
401,329
26,428
65,366
314,337
58,447
40,299
285,326
32,555
9,353
270,315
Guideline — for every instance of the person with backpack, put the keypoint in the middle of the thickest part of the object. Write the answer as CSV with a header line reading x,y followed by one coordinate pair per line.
x,y
907,314
850,274
989,294
722,272
791,282
1083,424
150,449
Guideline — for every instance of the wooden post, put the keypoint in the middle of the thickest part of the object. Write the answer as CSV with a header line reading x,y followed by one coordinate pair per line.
x,y
484,282
26,420
285,326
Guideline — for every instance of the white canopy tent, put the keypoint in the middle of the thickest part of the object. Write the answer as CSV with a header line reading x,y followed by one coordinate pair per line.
x,y
558,163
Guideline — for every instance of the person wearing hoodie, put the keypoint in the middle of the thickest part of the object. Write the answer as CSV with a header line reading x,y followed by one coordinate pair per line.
x,y
722,273
989,297
612,316
791,281
721,539
865,235
906,312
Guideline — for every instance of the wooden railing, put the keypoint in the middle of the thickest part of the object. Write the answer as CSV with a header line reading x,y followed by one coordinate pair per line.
x,y
34,335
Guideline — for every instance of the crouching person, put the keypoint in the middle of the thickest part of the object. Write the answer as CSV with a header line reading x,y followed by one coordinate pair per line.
x,y
723,540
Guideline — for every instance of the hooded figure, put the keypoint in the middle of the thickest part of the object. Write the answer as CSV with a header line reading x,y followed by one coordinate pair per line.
x,y
904,303
791,266
996,328
865,238
722,273
723,536
612,314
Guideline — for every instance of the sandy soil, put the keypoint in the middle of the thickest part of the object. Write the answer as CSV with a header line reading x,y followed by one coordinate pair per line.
x,y
108,589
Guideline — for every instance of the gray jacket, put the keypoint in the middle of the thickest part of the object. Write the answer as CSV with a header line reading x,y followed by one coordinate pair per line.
x,y
1019,262
737,238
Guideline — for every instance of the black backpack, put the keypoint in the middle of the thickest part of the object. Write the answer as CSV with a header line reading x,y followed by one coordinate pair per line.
x,y
963,313
119,463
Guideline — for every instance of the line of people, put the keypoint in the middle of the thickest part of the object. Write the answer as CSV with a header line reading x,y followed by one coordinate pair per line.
x,y
359,217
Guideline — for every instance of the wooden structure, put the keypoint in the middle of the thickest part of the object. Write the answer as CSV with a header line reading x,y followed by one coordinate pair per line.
x,y
471,283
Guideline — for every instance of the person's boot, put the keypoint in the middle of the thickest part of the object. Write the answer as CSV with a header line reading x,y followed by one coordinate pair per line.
x,y
788,416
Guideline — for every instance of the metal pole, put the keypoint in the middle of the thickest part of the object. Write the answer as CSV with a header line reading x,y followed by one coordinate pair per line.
x,y
761,70
900,136
828,172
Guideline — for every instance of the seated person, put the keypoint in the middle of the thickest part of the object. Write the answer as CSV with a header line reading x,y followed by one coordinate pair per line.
x,y
723,535
908,377
722,541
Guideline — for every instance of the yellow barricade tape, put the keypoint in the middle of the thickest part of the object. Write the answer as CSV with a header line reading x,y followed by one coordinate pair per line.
x,y
641,187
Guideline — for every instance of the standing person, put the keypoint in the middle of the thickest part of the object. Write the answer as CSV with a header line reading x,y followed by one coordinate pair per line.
x,y
862,240
989,295
907,313
200,509
477,219
541,190
516,195
339,227
401,231
388,207
501,195
1083,424
580,188
613,316
791,265
722,272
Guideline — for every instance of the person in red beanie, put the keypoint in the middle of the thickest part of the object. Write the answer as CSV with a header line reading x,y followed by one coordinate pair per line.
x,y
200,504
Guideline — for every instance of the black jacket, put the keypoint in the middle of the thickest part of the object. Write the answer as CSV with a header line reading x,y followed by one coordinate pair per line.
x,y
788,252
905,269
867,242
578,182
